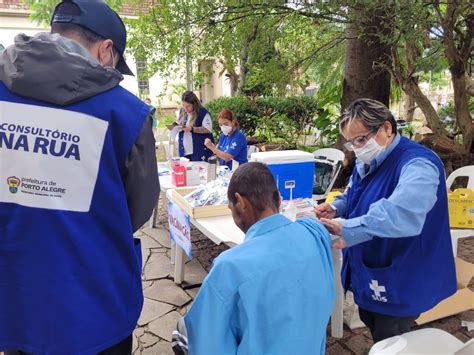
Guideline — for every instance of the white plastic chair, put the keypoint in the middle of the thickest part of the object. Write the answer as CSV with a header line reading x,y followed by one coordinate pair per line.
x,y
334,157
422,341
164,140
456,234
251,149
467,171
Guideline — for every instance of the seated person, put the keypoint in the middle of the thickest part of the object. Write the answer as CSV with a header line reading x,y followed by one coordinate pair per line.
x,y
232,142
153,113
274,293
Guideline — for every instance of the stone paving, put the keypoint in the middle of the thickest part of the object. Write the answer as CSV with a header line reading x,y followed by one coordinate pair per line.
x,y
165,302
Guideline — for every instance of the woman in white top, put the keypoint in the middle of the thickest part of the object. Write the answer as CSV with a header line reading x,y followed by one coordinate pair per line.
x,y
196,124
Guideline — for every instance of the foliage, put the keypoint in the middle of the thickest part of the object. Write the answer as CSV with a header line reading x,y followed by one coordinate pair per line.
x,y
447,115
409,130
275,119
244,110
265,46
427,39
275,48
163,121
42,10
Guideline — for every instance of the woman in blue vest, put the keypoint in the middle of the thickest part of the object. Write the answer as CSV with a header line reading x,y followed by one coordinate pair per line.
x,y
232,142
398,259
196,125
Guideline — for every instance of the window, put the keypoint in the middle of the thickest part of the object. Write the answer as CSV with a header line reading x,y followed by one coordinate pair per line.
x,y
143,85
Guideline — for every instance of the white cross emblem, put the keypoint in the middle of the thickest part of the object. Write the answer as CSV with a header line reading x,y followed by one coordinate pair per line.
x,y
378,289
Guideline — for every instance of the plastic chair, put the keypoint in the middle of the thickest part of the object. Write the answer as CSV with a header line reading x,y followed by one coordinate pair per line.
x,y
456,234
163,140
251,149
333,157
467,171
422,341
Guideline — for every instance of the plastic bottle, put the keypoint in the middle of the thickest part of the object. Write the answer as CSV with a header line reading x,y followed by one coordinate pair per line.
x,y
212,168
290,211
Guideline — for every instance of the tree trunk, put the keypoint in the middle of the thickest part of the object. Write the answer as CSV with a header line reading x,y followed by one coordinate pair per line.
x,y
463,116
410,86
410,107
458,49
234,86
363,77
244,58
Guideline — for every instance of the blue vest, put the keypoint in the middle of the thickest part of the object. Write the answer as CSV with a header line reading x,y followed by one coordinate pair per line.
x,y
70,282
400,276
200,152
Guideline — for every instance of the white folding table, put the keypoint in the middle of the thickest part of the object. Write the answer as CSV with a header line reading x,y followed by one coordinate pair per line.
x,y
222,229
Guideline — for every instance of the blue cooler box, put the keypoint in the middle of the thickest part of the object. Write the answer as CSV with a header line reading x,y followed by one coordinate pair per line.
x,y
292,169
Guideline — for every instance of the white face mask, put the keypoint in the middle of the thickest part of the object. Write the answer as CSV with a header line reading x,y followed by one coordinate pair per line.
x,y
226,129
369,151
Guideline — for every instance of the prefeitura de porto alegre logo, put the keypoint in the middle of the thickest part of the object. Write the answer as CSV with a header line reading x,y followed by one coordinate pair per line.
x,y
13,184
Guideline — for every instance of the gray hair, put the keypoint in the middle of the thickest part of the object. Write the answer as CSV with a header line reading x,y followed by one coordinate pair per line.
x,y
371,113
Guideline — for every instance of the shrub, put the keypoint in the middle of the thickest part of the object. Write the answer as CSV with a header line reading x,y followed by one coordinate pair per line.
x,y
274,119
242,108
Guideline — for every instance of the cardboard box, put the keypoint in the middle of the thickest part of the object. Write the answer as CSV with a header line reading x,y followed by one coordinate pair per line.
x,y
197,212
461,208
462,300
192,176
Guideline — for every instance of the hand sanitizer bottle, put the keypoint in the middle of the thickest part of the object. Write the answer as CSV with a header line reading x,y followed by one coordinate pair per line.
x,y
290,211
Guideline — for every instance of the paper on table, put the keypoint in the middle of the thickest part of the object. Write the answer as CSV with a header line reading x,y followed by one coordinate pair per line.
x,y
174,132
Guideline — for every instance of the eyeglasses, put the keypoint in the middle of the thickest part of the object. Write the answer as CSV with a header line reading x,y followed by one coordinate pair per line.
x,y
360,141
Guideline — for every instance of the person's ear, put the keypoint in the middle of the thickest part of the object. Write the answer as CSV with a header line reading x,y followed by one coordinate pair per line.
x,y
241,201
388,128
105,53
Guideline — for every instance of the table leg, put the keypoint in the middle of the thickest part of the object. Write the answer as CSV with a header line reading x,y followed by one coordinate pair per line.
x,y
179,265
173,251
154,215
337,313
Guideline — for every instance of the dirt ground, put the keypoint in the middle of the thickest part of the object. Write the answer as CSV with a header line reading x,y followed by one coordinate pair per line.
x,y
357,341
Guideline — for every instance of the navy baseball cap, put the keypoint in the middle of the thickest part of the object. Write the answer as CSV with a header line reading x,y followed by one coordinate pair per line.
x,y
99,18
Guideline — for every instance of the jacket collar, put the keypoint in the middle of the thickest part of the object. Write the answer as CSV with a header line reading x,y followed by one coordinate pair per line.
x,y
266,225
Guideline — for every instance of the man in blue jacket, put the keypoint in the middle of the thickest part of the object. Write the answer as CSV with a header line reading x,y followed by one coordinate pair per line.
x,y
77,177
274,293
395,232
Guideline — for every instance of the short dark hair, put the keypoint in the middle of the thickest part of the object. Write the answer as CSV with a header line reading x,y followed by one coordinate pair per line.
x,y
371,113
255,182
86,35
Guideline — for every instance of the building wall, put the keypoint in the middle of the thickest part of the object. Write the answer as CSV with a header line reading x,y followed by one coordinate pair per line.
x,y
163,93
